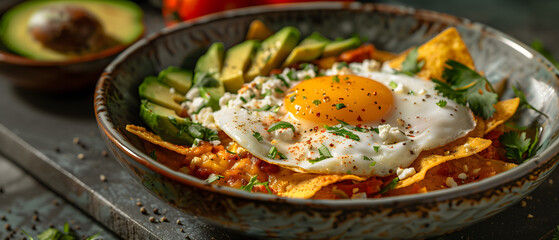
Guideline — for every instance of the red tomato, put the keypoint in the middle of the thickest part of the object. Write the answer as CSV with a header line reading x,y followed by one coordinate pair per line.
x,y
175,11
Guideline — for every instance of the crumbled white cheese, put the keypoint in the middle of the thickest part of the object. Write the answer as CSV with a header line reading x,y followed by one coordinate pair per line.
x,y
450,182
206,118
390,134
404,173
192,93
476,171
284,134
462,176
400,88
197,104
422,91
224,100
368,65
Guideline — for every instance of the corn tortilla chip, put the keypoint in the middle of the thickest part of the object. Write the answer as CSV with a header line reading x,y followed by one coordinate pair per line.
x,y
472,166
305,185
446,45
505,110
460,148
155,139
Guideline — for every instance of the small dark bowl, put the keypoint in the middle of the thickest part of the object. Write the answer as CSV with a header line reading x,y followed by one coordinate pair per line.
x,y
59,76
388,27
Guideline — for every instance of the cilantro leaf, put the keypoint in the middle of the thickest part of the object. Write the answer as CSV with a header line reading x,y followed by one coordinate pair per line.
x,y
523,102
369,159
263,108
274,152
280,125
257,135
343,132
538,46
393,84
376,148
518,147
335,79
441,103
254,182
390,186
324,154
466,86
213,178
556,234
340,106
410,66
316,102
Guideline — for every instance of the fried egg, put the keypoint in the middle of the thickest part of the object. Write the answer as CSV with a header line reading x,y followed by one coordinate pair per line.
x,y
367,123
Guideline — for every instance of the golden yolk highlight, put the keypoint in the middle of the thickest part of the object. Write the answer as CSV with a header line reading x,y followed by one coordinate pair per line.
x,y
349,98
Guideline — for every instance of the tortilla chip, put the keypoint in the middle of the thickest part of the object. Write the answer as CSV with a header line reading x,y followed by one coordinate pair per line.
x,y
505,110
472,166
446,45
155,139
479,130
306,185
460,148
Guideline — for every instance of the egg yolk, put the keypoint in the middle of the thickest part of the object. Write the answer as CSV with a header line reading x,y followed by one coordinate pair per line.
x,y
349,98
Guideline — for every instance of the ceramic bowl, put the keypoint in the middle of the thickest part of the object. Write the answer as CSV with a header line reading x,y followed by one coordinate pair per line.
x,y
387,27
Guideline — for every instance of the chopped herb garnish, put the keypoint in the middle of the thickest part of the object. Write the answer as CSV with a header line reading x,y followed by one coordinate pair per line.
x,y
196,130
280,77
196,142
55,234
538,46
390,186
267,93
231,152
393,84
213,178
274,152
243,99
335,79
375,130
268,58
341,65
467,87
307,77
376,148
348,172
324,154
411,92
292,75
556,234
254,182
340,131
410,66
340,106
257,135
523,102
275,109
263,108
280,125
153,155
292,98
316,102
370,159
441,103
518,147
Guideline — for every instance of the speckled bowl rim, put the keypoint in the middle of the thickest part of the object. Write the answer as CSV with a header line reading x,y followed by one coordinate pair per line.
x,y
107,127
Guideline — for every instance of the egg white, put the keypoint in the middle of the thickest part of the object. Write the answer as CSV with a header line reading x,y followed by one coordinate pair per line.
x,y
415,124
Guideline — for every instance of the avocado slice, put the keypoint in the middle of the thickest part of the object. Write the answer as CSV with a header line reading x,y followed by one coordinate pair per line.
x,y
211,61
273,51
177,78
121,22
210,88
166,123
335,48
235,64
309,49
157,92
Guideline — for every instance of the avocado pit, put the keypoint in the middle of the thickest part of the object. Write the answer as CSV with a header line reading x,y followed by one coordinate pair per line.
x,y
67,29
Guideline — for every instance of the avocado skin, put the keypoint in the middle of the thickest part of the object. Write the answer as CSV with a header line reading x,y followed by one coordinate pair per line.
x,y
165,123
177,78
335,48
309,49
157,92
273,51
211,61
236,61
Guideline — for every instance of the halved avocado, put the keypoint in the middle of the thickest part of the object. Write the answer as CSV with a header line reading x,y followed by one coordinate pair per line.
x,y
309,49
178,78
335,48
121,22
237,59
